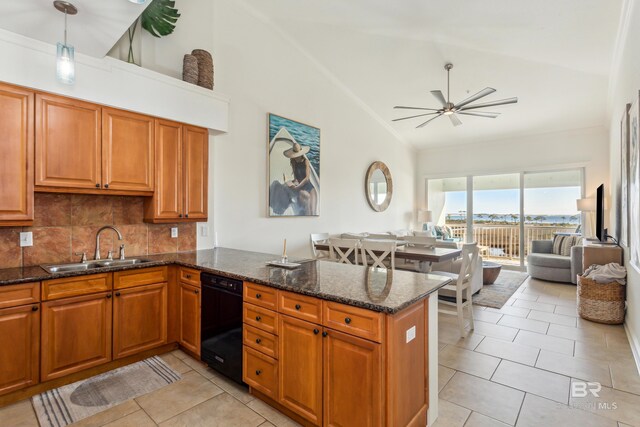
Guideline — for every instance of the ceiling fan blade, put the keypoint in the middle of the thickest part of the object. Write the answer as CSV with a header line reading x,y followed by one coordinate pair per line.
x,y
411,117
439,96
492,103
455,120
415,108
431,119
479,114
484,92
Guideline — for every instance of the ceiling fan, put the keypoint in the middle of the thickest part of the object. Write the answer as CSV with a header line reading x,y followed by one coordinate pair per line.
x,y
462,107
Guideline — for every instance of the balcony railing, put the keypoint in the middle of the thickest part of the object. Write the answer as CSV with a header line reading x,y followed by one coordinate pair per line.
x,y
502,242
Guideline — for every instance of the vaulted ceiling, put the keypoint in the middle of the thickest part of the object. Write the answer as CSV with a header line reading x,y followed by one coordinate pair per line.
x,y
555,56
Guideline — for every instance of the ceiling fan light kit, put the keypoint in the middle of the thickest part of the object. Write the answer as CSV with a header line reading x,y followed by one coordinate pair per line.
x,y
452,110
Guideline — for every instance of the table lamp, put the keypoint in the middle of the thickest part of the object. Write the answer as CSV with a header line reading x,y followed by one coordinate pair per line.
x,y
587,206
424,217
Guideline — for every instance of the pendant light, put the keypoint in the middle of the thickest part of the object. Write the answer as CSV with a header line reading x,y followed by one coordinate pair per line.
x,y
65,62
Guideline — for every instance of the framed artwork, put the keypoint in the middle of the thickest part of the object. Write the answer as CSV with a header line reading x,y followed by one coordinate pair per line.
x,y
293,168
634,184
623,204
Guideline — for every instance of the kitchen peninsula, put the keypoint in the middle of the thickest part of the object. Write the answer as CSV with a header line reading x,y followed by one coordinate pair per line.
x,y
326,343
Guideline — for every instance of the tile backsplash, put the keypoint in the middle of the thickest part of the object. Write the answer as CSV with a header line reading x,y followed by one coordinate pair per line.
x,y
66,224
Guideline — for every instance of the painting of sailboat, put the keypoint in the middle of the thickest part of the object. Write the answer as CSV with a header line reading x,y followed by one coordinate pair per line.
x,y
294,168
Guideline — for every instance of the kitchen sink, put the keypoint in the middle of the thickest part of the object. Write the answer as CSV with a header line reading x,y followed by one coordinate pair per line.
x,y
92,265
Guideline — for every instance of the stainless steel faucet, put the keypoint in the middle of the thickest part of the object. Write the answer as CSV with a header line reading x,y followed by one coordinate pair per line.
x,y
106,227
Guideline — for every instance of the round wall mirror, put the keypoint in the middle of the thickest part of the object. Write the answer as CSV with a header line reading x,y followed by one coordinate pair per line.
x,y
378,186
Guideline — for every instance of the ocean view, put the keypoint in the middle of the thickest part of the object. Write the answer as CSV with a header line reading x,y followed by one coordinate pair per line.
x,y
515,219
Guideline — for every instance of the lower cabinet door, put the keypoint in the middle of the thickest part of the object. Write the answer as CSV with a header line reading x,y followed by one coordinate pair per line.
x,y
139,319
300,377
352,379
260,372
75,334
19,347
190,318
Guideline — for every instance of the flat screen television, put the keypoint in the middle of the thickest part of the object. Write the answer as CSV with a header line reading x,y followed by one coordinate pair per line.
x,y
601,232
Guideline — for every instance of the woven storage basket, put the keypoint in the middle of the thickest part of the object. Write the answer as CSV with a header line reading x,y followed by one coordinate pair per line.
x,y
190,69
601,302
205,68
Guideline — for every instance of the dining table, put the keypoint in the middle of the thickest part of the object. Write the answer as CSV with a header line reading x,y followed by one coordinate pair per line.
x,y
423,255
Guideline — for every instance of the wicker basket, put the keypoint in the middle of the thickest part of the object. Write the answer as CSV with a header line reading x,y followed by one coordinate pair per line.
x,y
601,302
190,69
205,68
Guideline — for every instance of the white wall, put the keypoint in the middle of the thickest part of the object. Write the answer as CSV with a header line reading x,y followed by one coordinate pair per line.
x,y
265,72
625,84
586,148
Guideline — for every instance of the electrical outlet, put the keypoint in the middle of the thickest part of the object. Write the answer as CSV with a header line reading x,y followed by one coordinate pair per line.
x,y
204,230
26,238
174,232
411,334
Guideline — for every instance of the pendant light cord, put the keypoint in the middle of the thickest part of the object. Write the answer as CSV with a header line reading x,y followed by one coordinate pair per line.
x,y
65,26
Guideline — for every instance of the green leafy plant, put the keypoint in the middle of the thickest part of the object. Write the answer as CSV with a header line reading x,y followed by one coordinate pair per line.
x,y
160,17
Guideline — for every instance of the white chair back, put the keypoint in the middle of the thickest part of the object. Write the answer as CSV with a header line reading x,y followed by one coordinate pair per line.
x,y
317,238
469,261
378,252
420,242
341,249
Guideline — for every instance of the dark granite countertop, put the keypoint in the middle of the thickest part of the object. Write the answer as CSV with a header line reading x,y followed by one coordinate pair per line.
x,y
380,290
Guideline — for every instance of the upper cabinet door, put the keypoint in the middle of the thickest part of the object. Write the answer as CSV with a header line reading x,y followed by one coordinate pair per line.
x,y
67,143
196,162
127,151
167,198
16,155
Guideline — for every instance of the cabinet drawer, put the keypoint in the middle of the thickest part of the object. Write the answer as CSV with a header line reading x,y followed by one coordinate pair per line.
x,y
132,278
261,318
263,296
76,286
260,372
260,340
353,320
189,275
14,295
300,306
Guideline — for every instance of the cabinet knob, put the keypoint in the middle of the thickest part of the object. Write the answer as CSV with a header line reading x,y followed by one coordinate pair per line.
x,y
258,340
298,307
188,276
108,295
347,320
106,186
258,296
196,292
186,216
324,334
316,332
34,308
117,294
180,216
258,371
258,318
97,185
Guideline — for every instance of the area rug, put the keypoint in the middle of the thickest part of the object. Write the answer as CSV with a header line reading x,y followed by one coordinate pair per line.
x,y
498,294
73,402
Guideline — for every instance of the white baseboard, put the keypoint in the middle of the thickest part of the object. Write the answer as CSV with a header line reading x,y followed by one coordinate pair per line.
x,y
634,342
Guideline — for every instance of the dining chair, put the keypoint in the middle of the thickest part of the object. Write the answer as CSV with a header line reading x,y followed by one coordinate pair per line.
x,y
340,250
416,242
317,238
384,250
459,293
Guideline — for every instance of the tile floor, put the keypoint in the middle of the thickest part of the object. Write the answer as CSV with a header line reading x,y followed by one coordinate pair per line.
x,y
518,366
515,369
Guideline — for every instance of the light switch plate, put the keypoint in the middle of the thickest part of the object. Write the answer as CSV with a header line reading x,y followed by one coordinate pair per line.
x,y
204,230
26,238
174,232
411,334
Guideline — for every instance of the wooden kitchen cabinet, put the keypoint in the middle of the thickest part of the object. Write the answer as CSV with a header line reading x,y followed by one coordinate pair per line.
x,y
19,347
75,334
128,161
68,143
190,318
350,362
16,155
300,379
181,174
139,319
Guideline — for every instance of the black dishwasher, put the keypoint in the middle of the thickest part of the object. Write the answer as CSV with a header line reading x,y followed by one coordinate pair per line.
x,y
221,328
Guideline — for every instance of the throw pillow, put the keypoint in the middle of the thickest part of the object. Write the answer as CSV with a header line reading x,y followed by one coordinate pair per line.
x,y
562,244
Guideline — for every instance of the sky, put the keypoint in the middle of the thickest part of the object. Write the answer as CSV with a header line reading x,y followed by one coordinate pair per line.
x,y
538,201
